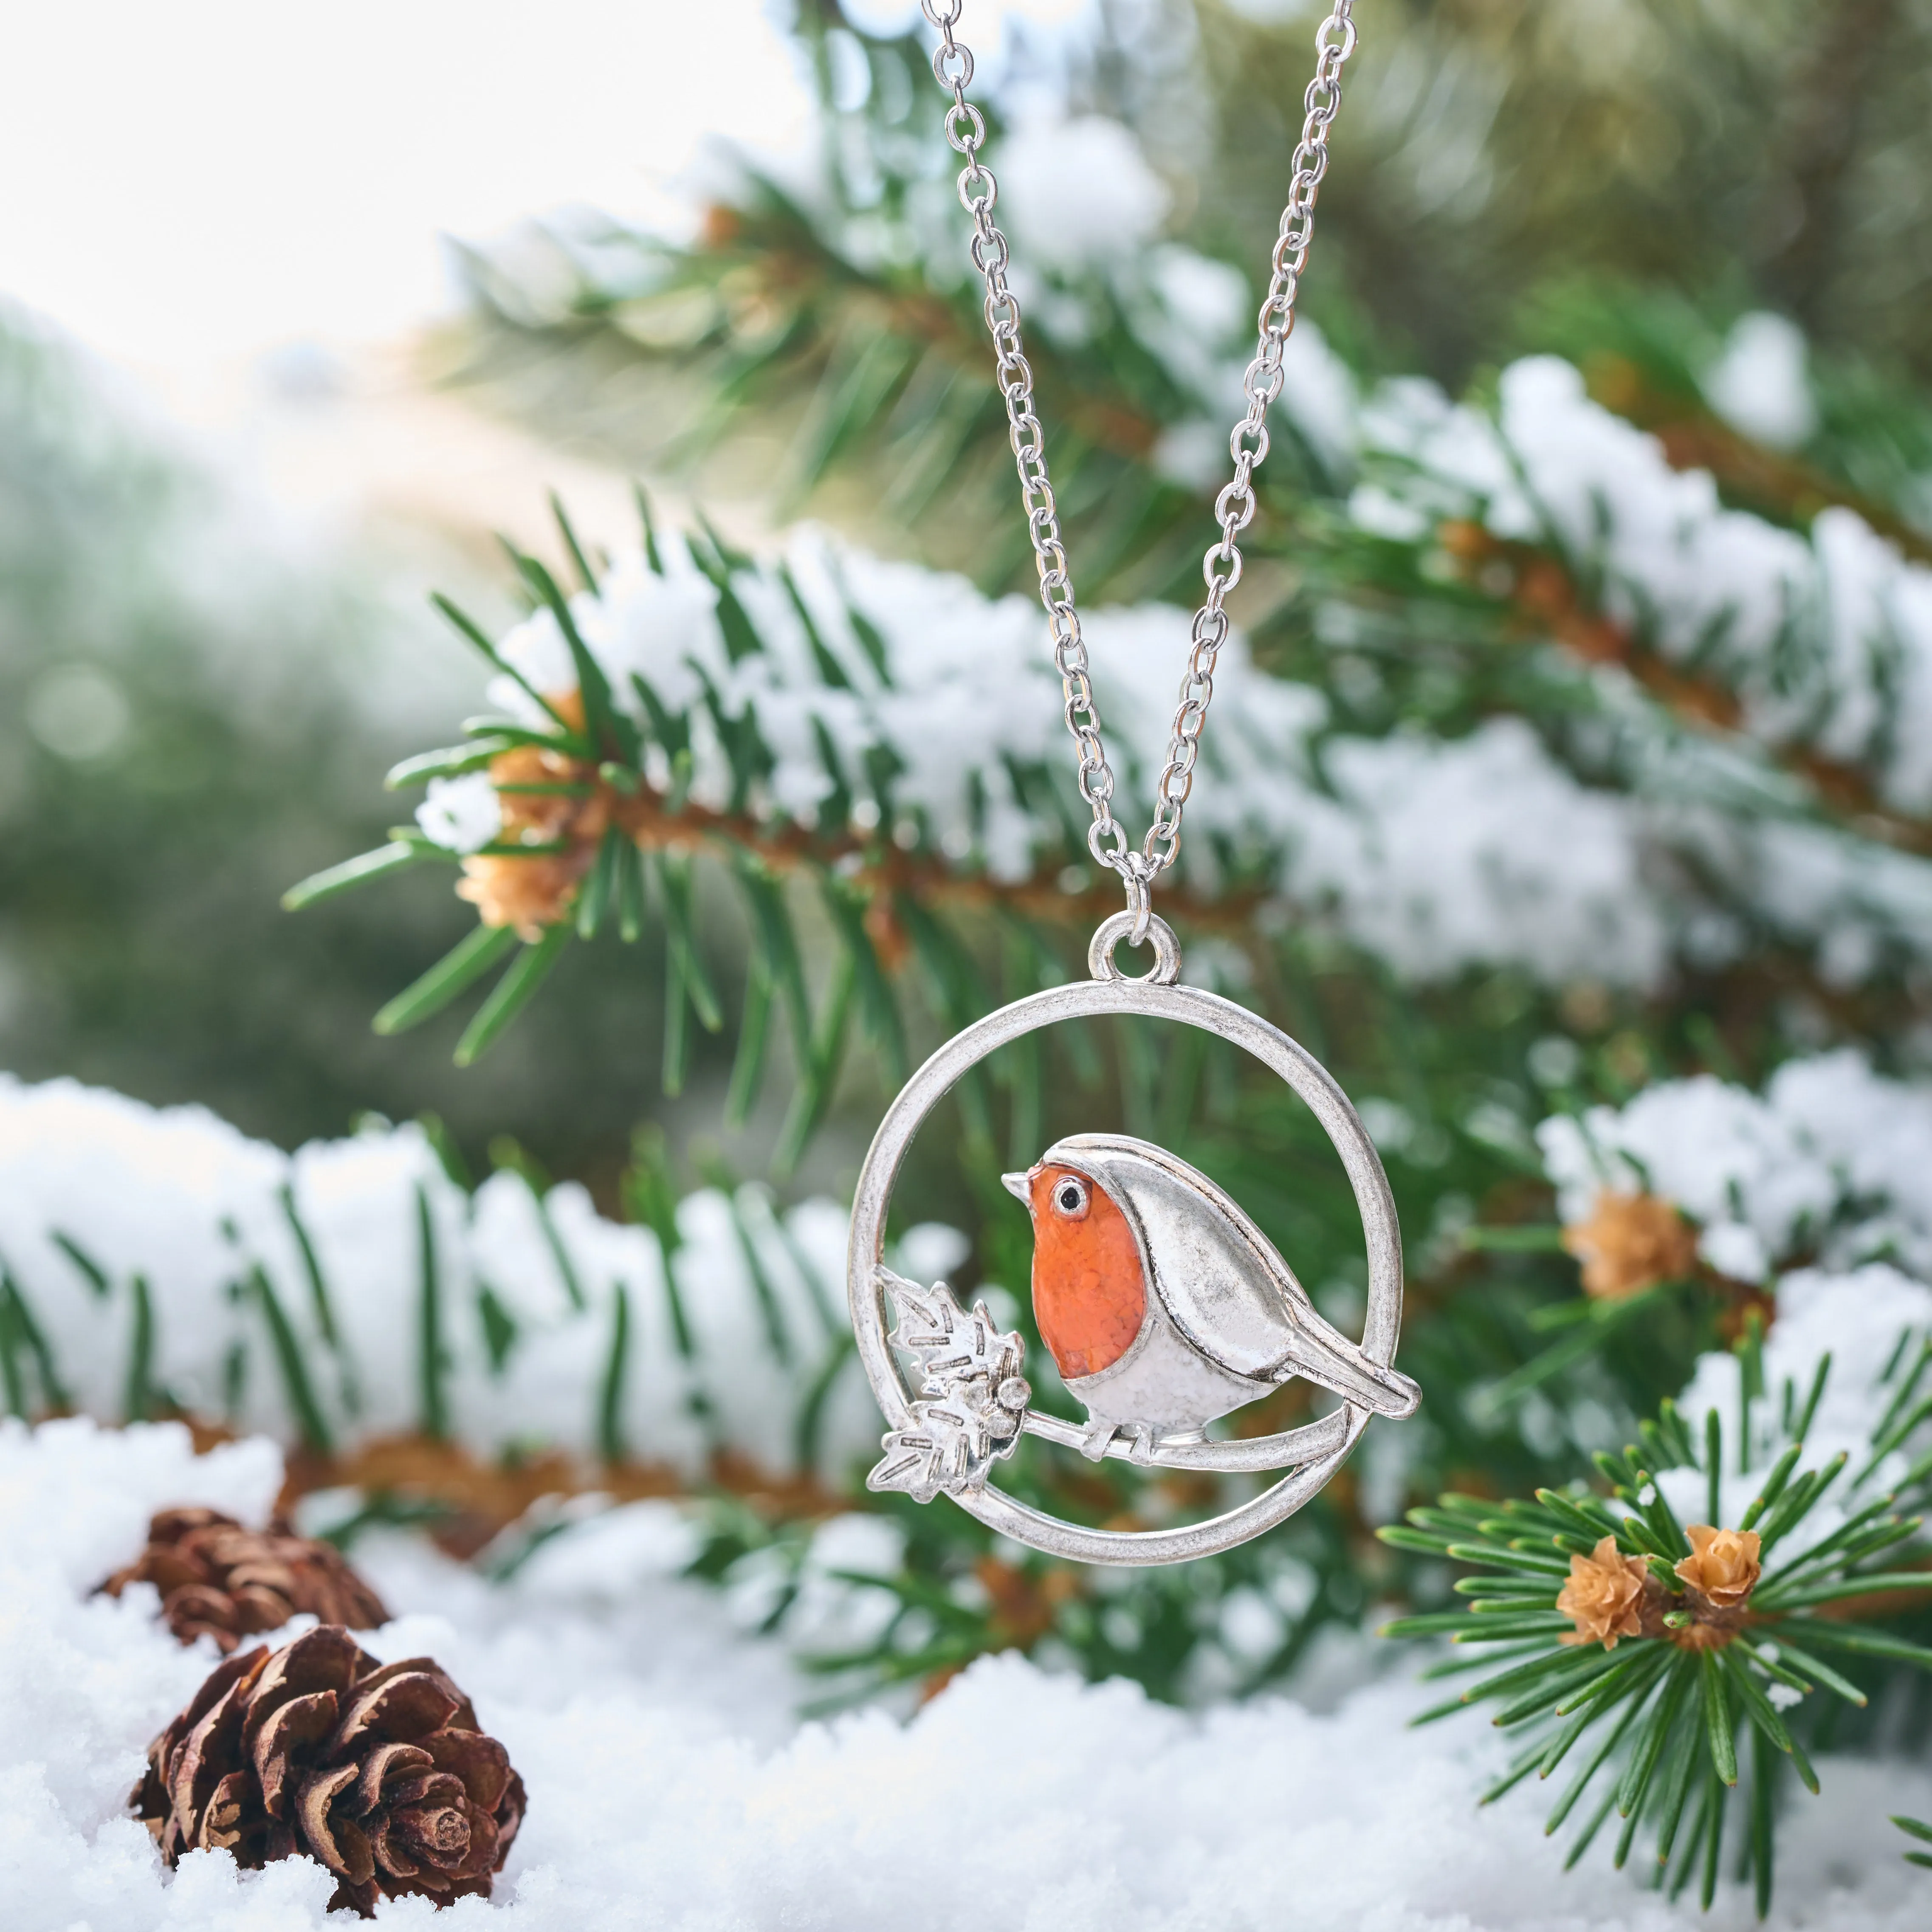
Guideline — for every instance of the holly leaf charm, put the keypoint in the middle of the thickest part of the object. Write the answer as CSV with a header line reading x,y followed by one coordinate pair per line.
x,y
972,1399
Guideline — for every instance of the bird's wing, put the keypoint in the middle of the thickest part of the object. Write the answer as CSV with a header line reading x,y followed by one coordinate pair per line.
x,y
1217,1276
1221,1281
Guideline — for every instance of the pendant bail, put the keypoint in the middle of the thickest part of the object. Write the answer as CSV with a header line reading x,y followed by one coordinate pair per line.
x,y
1119,926
1137,875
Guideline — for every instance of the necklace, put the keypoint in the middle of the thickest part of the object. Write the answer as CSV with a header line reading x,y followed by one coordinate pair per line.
x,y
1163,1305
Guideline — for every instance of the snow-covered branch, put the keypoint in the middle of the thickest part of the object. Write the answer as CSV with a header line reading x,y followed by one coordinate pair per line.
x,y
1831,1165
158,1258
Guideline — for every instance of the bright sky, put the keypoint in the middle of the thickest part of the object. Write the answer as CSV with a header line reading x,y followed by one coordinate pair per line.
x,y
191,180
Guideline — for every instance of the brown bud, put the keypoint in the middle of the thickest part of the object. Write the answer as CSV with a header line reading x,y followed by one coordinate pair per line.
x,y
1630,1242
527,894
1605,1595
1722,1567
546,813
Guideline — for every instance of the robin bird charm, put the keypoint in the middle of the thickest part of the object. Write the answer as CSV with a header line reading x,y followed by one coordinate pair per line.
x,y
1163,1305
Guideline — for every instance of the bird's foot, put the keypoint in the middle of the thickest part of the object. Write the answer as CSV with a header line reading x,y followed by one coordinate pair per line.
x,y
1094,1439
1141,1439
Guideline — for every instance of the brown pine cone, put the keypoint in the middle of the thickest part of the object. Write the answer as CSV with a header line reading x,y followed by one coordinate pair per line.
x,y
378,1770
218,1577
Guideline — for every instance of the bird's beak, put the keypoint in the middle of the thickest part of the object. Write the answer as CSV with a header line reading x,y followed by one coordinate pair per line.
x,y
1015,1184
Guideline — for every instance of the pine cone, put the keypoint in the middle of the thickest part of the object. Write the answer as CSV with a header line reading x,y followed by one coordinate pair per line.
x,y
378,1770
217,1577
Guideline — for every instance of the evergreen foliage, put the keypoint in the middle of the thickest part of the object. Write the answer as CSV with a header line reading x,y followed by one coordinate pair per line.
x,y
1570,773
1661,1717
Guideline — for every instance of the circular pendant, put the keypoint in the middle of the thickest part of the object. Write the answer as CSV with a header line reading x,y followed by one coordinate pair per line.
x,y
1163,1305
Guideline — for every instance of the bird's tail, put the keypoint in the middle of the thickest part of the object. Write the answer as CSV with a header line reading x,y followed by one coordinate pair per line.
x,y
1336,1363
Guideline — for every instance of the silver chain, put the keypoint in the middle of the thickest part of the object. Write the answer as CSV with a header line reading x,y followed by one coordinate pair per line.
x,y
1139,867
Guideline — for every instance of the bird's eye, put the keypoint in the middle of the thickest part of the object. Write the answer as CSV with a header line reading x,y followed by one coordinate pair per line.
x,y
1069,1198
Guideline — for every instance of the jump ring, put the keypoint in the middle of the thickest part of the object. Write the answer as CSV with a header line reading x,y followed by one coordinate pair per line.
x,y
1111,930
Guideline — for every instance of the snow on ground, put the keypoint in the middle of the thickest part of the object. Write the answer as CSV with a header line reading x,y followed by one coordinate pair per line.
x,y
671,1784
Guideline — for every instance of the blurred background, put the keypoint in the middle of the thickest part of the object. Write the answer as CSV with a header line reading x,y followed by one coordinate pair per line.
x,y
233,468
255,404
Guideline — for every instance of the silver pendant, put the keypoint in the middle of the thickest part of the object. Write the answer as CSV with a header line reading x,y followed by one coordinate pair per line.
x,y
1163,1306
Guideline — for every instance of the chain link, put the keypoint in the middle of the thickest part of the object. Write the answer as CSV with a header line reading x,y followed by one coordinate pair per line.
x,y
1139,866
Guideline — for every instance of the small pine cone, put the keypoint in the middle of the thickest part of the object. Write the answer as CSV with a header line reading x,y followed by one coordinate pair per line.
x,y
219,1579
1721,1571
376,1770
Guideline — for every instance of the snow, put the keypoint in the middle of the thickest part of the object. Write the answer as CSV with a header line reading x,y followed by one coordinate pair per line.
x,y
1832,1159
1074,192
1758,384
662,625
1857,1318
673,1784
145,1193
673,1781
1857,899
461,815
1439,855
1484,851
1825,637
1193,453
210,1222
1208,299
1822,1187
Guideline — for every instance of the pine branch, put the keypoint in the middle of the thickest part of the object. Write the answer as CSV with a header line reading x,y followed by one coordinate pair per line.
x,y
553,827
1544,591
1545,602
567,803
1797,745
1686,1637
1788,489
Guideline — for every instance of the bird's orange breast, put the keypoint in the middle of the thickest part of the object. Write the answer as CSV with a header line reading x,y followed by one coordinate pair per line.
x,y
1089,1293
